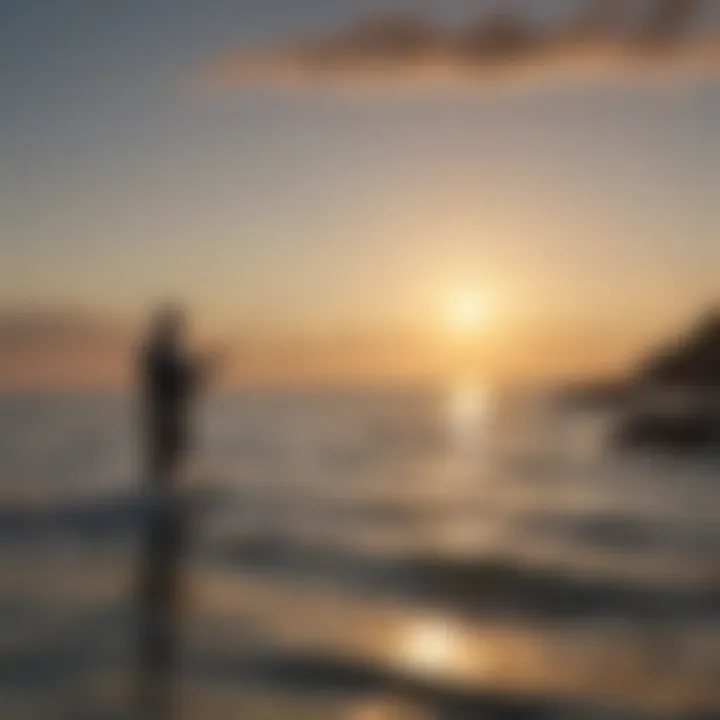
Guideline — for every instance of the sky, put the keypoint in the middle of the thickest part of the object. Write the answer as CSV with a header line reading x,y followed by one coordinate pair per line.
x,y
326,227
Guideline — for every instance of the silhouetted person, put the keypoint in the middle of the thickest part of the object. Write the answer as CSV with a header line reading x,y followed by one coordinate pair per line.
x,y
169,382
170,379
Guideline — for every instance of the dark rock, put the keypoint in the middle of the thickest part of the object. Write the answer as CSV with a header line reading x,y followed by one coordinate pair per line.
x,y
672,433
676,403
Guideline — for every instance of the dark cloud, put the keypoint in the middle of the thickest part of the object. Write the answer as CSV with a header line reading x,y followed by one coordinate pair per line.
x,y
669,19
604,39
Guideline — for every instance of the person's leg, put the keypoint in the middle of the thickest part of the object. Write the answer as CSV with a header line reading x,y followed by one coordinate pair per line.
x,y
158,608
156,665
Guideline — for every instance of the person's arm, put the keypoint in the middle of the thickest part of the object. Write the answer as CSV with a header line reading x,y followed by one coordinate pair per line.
x,y
212,362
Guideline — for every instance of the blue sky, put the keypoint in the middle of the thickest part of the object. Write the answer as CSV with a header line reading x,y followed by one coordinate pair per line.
x,y
123,180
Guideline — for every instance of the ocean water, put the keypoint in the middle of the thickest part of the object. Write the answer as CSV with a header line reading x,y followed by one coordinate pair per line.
x,y
363,555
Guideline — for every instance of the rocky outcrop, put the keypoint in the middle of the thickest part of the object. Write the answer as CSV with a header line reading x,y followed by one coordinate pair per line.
x,y
692,362
676,404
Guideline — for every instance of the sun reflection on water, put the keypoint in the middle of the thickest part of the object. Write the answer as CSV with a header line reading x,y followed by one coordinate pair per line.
x,y
430,646
386,709
438,647
468,411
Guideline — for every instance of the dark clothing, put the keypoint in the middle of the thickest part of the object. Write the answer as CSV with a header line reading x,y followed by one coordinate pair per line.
x,y
160,599
169,383
163,546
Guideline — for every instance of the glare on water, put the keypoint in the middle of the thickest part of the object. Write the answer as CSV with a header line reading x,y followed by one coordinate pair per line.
x,y
439,647
469,407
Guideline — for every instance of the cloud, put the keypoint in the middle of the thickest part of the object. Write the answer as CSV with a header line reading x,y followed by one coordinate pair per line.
x,y
65,349
60,348
603,41
46,328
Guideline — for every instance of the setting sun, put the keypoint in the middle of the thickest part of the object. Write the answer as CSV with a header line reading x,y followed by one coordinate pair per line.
x,y
467,312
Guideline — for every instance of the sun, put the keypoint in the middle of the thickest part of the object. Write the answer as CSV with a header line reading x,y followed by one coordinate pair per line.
x,y
467,312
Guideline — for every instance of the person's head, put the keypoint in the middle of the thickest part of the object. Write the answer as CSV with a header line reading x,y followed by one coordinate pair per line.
x,y
168,326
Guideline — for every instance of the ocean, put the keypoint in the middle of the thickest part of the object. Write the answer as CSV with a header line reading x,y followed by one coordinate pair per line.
x,y
364,555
